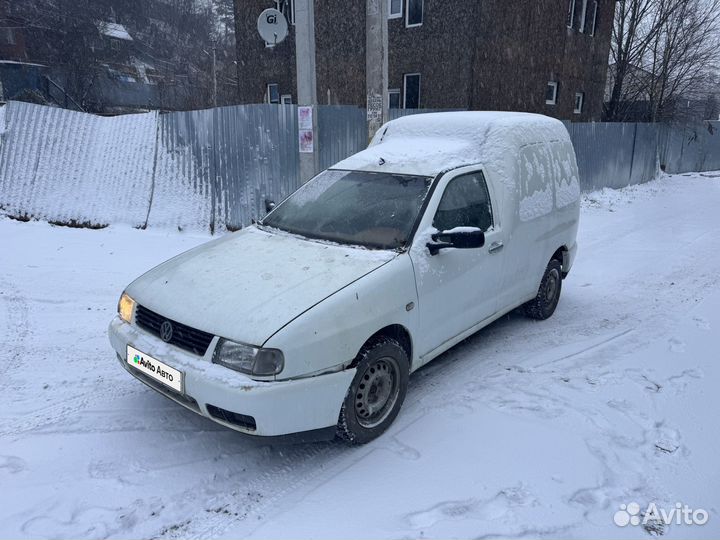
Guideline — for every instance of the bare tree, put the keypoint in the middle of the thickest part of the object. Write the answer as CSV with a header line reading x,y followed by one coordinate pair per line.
x,y
660,50
224,11
682,57
180,46
636,24
77,51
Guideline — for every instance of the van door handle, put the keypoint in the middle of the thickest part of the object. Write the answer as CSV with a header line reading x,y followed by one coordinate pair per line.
x,y
495,247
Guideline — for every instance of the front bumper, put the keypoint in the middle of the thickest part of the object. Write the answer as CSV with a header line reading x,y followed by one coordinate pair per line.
x,y
277,407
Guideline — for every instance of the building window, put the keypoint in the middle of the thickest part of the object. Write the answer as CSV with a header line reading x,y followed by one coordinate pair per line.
x,y
411,87
114,44
7,36
414,13
395,9
593,18
272,93
394,98
583,16
286,99
579,102
551,93
571,14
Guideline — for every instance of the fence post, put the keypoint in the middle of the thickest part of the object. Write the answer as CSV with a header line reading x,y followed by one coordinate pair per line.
x,y
632,154
213,171
158,141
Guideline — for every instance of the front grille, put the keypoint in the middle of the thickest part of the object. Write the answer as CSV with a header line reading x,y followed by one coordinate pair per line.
x,y
236,419
190,339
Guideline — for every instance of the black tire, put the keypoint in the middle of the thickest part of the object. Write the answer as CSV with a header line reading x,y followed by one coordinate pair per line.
x,y
376,393
543,305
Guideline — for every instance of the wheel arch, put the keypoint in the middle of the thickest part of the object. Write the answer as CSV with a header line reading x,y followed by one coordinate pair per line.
x,y
394,331
561,254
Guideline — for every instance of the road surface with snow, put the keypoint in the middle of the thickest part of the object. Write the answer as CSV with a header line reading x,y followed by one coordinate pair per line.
x,y
527,428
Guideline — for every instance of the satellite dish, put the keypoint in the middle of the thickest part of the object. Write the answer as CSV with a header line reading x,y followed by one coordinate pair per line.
x,y
272,26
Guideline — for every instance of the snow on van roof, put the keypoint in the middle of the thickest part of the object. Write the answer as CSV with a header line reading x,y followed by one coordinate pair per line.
x,y
427,144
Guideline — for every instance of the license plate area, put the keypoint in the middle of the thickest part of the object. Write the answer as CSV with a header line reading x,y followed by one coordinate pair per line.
x,y
155,369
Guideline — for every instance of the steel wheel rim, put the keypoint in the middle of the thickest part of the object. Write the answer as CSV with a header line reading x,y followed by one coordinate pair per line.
x,y
377,392
551,286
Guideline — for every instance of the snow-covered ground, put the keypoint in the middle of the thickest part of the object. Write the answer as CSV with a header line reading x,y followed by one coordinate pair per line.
x,y
528,428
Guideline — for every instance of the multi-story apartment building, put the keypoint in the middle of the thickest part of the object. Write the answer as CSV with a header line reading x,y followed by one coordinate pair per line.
x,y
547,56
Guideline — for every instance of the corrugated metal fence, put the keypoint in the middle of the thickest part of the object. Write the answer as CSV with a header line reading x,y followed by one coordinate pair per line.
x,y
215,168
60,165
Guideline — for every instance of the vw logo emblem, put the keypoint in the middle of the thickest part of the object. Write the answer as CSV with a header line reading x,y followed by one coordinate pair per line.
x,y
166,331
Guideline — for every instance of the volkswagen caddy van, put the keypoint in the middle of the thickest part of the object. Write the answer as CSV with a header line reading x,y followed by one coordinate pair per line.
x,y
311,320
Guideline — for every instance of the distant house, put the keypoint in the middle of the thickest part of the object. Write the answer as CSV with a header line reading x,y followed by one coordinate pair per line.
x,y
33,69
546,56
17,74
101,61
23,79
122,84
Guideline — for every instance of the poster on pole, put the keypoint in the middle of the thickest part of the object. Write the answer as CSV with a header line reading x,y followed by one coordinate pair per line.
x,y
374,108
305,117
307,144
305,129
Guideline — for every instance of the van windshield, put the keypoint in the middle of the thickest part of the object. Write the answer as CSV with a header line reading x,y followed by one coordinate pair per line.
x,y
370,209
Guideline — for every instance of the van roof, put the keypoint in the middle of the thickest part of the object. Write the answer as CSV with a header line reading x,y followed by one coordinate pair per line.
x,y
428,144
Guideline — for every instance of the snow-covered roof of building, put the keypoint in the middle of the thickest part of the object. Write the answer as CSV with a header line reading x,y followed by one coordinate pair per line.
x,y
114,30
427,144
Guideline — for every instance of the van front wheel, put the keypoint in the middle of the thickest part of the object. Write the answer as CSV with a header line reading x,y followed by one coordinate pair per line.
x,y
543,305
376,393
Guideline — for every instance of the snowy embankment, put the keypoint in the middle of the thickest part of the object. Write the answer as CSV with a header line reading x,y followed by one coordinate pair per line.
x,y
527,428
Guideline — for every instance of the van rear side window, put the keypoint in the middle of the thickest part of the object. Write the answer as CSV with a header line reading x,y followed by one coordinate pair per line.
x,y
547,179
536,190
567,184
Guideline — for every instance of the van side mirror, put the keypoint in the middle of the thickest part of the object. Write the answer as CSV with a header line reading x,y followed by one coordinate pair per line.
x,y
269,205
460,238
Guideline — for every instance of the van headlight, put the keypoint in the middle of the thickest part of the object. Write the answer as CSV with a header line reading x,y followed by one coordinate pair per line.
x,y
247,359
126,306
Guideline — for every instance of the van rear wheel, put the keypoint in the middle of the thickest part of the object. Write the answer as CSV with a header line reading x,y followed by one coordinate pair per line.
x,y
376,393
543,305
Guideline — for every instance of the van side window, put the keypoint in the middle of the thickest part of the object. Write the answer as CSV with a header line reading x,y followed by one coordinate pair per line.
x,y
465,203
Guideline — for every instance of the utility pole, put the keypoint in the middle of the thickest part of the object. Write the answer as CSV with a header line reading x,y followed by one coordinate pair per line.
x,y
376,63
306,80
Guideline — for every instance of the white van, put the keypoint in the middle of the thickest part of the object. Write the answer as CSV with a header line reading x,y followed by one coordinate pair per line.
x,y
311,320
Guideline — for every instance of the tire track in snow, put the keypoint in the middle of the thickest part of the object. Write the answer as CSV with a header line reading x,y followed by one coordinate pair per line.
x,y
604,341
298,467
17,327
65,409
